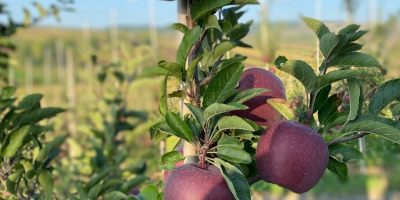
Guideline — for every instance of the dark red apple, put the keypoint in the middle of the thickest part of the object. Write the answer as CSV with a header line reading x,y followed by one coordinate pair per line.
x,y
179,163
259,110
292,155
190,182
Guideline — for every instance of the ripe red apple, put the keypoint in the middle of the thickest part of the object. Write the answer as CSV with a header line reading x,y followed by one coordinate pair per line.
x,y
292,155
179,163
296,101
265,59
259,110
189,181
273,70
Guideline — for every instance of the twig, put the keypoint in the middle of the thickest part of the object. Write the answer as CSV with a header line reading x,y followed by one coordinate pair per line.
x,y
254,180
347,139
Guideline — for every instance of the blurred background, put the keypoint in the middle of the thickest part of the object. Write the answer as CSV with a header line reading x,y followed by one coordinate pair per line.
x,y
88,56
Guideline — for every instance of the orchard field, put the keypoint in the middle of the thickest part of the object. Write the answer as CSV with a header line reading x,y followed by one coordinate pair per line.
x,y
99,77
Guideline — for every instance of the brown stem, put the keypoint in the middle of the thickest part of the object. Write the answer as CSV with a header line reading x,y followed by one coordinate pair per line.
x,y
347,139
254,180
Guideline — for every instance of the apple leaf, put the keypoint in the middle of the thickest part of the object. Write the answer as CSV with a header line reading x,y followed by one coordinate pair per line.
x,y
356,98
222,84
355,59
189,39
192,68
317,26
197,113
239,31
200,8
46,181
329,108
29,101
222,48
177,93
334,76
336,119
154,71
14,141
235,179
228,62
322,96
162,127
180,27
219,108
128,185
7,92
233,122
181,129
396,110
352,28
50,147
99,178
282,107
233,154
169,160
345,153
150,192
384,95
211,21
225,26
163,102
248,94
117,195
351,47
28,168
300,70
174,68
330,44
355,36
229,141
12,182
243,2
383,127
338,168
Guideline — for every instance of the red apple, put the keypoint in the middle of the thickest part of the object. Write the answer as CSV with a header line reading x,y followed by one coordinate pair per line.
x,y
265,59
190,182
296,101
292,155
179,163
259,110
273,70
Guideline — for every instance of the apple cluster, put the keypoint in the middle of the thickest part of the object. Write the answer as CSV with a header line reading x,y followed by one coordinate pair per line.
x,y
289,154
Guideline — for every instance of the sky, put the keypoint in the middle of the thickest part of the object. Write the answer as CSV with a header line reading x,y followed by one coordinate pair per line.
x,y
99,14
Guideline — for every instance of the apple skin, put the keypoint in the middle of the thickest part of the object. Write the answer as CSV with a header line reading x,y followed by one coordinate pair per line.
x,y
292,155
179,163
259,110
189,181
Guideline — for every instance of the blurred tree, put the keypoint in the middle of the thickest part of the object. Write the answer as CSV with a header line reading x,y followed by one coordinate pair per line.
x,y
351,7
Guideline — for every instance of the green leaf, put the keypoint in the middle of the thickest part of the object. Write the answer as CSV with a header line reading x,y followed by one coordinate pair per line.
x,y
154,71
230,16
352,28
336,119
28,168
150,192
177,93
163,128
327,109
321,97
282,107
395,110
94,191
222,84
235,179
330,44
355,95
219,108
225,26
248,94
222,48
355,36
354,59
197,113
233,122
212,22
192,68
7,92
49,148
174,68
181,129
200,8
373,125
345,153
103,174
229,141
40,114
189,39
128,185
115,195
244,2
109,184
239,31
230,61
5,103
29,101
12,182
46,181
317,26
163,102
13,142
384,95
233,154
300,70
338,168
169,160
334,76
350,48
180,27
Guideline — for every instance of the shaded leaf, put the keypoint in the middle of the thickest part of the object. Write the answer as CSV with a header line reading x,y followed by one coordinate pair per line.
x,y
197,113
384,95
355,36
150,192
169,160
350,48
46,181
7,92
355,59
239,31
189,39
321,97
243,2
212,22
128,185
352,28
327,109
229,141
14,141
46,151
330,44
222,48
40,114
345,153
200,8
334,76
163,102
29,101
192,68
181,129
355,95
338,168
177,93
336,119
12,182
115,195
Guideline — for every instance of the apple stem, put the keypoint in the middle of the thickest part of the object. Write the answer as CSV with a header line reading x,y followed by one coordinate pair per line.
x,y
254,180
203,154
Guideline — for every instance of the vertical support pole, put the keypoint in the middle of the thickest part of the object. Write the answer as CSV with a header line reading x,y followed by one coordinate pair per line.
x,y
114,36
28,75
47,72
60,70
264,29
71,92
11,75
318,9
153,27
